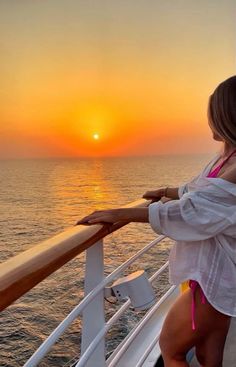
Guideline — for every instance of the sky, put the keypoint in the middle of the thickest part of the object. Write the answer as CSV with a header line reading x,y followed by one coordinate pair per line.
x,y
111,78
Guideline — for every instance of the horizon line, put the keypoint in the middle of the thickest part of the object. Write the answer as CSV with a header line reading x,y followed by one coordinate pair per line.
x,y
103,157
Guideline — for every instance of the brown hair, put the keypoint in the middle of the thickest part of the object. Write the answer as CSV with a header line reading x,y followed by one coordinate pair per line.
x,y
222,110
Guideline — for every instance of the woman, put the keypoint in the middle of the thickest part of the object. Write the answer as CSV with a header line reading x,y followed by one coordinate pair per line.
x,y
200,216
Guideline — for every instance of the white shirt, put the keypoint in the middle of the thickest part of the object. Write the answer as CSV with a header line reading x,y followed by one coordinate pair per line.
x,y
203,224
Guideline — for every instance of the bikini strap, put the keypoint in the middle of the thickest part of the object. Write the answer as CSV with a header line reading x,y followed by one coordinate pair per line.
x,y
226,159
217,169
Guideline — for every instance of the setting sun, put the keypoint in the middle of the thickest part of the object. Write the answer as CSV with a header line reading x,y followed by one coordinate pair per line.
x,y
111,92
96,136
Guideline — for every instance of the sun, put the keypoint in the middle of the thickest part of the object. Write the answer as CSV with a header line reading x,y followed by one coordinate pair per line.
x,y
96,136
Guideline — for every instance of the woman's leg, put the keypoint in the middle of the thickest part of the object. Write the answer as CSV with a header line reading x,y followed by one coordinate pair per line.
x,y
210,349
177,336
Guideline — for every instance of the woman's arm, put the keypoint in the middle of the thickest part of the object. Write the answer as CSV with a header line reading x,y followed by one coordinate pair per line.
x,y
130,214
116,215
169,192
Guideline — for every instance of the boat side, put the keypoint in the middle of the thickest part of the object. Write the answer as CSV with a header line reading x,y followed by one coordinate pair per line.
x,y
140,347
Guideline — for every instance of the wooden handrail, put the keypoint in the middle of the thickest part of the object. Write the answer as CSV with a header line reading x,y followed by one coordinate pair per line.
x,y
22,272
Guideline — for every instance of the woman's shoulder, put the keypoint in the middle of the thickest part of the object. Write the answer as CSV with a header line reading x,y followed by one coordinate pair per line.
x,y
229,174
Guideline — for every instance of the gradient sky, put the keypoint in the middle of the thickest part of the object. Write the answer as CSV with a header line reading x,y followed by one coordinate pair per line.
x,y
136,72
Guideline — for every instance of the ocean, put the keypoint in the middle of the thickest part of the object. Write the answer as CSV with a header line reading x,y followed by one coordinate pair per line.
x,y
42,197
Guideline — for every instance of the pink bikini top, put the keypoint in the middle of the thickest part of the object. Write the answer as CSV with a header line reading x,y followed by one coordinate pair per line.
x,y
215,172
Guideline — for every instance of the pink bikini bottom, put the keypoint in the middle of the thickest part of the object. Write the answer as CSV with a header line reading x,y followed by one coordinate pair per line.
x,y
193,284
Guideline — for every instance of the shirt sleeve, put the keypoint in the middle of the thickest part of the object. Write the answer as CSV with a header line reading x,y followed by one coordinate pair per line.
x,y
183,189
197,215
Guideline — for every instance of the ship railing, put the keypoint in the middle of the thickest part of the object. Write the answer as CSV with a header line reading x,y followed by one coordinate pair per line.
x,y
24,271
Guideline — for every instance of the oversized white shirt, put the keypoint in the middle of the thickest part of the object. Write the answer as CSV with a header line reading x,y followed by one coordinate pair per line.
x,y
203,224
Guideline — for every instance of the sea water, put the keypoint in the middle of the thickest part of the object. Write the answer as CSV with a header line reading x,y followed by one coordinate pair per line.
x,y
42,197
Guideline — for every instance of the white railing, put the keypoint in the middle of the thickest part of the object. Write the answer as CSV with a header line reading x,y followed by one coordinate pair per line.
x,y
95,329
91,308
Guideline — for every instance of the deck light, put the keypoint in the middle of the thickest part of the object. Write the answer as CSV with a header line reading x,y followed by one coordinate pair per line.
x,y
134,286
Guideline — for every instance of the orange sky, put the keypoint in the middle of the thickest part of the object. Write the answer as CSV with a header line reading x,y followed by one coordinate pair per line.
x,y
137,73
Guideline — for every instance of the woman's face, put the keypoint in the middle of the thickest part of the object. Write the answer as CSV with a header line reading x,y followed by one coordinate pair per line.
x,y
215,135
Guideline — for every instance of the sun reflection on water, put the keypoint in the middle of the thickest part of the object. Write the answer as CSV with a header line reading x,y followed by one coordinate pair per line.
x,y
79,187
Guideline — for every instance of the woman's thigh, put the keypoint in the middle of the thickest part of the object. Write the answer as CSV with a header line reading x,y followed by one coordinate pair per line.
x,y
177,336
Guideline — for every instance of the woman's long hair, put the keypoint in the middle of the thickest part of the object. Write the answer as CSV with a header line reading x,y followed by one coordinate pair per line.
x,y
222,110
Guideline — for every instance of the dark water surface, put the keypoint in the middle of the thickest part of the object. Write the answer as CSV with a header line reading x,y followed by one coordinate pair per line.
x,y
39,198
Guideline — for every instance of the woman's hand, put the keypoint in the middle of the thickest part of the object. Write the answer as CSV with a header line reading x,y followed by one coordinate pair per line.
x,y
154,195
116,215
172,193
102,216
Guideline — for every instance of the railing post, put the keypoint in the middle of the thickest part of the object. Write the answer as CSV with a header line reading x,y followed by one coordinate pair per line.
x,y
94,314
